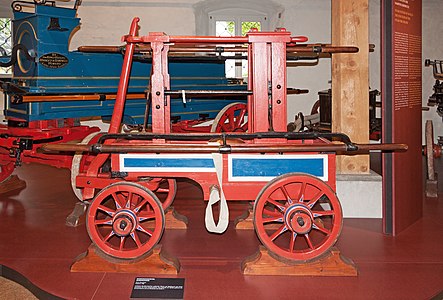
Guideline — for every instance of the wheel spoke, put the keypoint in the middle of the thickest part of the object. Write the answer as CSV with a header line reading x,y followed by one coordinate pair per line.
x,y
224,127
122,242
231,121
128,200
143,216
278,232
285,192
107,210
118,202
103,222
280,206
142,229
136,239
110,235
140,205
314,199
275,219
320,227
308,240
292,242
276,213
323,213
239,119
301,195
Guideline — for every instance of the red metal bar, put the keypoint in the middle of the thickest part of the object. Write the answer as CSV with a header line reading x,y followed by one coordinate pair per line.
x,y
119,106
214,39
124,81
279,103
259,87
157,87
167,86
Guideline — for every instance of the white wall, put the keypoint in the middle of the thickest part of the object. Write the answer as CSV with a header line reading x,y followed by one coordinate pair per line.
x,y
311,18
105,22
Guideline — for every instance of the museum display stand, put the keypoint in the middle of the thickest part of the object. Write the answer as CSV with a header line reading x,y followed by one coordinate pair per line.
x,y
330,264
245,220
156,262
174,220
333,263
11,184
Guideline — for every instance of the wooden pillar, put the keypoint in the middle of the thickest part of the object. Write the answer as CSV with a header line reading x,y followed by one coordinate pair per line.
x,y
350,79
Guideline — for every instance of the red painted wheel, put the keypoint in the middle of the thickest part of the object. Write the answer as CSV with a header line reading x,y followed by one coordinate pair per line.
x,y
297,217
165,190
125,220
6,170
232,118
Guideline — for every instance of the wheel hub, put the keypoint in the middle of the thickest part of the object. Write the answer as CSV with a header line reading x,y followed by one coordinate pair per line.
x,y
299,219
124,223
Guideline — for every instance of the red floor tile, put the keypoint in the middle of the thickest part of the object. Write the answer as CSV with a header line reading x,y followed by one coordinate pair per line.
x,y
36,243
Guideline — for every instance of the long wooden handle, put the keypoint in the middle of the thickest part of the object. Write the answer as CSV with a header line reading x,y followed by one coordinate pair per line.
x,y
302,48
211,148
79,97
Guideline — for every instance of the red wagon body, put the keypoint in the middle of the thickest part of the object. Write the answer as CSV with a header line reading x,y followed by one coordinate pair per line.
x,y
289,176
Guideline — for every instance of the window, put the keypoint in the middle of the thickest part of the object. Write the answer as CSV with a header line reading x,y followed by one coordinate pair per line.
x,y
234,17
236,23
5,42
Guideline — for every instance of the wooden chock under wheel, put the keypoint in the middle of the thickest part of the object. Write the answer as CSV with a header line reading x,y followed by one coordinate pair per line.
x,y
157,262
331,263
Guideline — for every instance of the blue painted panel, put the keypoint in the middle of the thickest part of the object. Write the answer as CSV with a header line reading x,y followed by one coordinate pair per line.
x,y
168,163
251,167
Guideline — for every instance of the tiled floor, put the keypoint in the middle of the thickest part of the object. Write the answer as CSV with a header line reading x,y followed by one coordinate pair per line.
x,y
35,242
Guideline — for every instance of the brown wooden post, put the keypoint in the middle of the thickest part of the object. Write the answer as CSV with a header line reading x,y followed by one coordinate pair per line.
x,y
350,79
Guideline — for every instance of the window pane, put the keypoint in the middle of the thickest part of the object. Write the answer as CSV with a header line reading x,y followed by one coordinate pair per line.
x,y
224,28
247,26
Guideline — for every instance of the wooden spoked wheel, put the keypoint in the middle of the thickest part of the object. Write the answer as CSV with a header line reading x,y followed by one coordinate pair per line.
x,y
232,118
315,108
297,217
80,162
6,170
165,190
125,220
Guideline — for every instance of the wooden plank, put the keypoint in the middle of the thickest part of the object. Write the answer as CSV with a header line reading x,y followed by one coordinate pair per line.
x,y
350,79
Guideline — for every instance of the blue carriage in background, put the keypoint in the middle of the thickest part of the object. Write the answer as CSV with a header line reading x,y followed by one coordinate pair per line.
x,y
53,89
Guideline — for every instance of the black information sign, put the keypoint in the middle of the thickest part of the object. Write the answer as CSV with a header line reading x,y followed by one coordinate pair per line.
x,y
53,60
158,288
